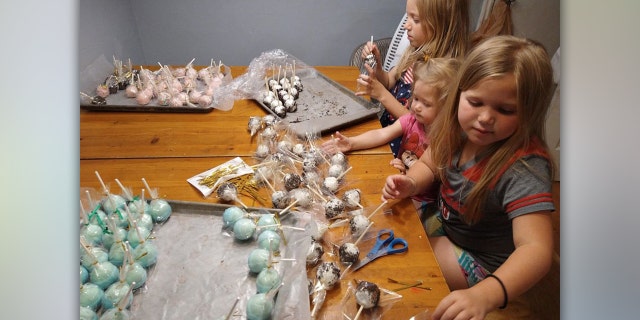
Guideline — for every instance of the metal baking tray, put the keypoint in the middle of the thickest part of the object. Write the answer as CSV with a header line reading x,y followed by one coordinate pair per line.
x,y
120,102
324,106
202,269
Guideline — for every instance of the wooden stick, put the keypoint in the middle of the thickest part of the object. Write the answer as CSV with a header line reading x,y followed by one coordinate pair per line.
x,y
377,209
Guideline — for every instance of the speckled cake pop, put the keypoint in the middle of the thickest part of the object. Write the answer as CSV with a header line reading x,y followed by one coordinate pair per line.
x,y
328,273
315,253
349,253
333,208
367,294
280,199
292,181
351,198
358,224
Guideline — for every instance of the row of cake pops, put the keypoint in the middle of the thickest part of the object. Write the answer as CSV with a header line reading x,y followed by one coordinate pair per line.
x,y
116,251
334,207
177,86
281,92
268,231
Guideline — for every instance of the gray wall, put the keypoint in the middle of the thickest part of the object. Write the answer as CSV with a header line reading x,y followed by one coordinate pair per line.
x,y
317,32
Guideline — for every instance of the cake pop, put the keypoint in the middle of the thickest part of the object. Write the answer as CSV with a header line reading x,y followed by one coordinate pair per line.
x,y
367,296
90,255
333,208
315,252
258,260
328,274
269,239
302,196
244,228
120,311
280,199
267,279
159,209
349,253
292,181
115,292
351,198
135,274
254,125
259,307
231,215
87,314
227,191
90,295
84,274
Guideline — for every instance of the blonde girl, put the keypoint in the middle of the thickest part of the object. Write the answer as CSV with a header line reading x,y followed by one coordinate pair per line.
x,y
494,241
435,28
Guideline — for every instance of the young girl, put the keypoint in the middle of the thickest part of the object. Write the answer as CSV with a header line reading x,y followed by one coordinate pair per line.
x,y
495,240
435,28
430,90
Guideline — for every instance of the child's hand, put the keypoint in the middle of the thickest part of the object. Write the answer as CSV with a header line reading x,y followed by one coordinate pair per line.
x,y
337,143
398,186
371,48
397,163
369,85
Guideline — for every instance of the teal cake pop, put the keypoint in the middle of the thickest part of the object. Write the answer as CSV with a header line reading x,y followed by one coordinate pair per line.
x,y
244,229
159,209
259,307
119,312
258,260
267,279
269,240
117,291
84,274
87,314
90,295
230,215
135,274
91,255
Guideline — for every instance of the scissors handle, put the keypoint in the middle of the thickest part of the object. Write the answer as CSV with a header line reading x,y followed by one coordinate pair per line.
x,y
397,245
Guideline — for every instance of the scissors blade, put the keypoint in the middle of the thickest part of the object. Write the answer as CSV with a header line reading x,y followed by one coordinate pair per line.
x,y
361,263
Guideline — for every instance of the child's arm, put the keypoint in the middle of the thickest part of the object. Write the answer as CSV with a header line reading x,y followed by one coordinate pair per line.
x,y
366,140
528,264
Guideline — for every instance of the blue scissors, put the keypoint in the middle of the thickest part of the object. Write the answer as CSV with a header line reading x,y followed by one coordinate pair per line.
x,y
386,244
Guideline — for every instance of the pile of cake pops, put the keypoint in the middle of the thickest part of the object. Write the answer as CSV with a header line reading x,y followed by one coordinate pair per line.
x,y
282,90
116,248
177,86
296,171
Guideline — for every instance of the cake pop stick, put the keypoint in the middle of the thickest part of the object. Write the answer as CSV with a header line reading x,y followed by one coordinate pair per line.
x,y
233,307
152,193
126,191
343,173
377,209
266,180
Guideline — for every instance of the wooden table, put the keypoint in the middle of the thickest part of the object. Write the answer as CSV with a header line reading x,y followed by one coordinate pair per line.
x,y
167,149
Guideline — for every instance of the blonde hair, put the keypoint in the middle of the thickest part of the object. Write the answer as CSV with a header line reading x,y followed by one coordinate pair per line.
x,y
438,73
497,56
448,21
